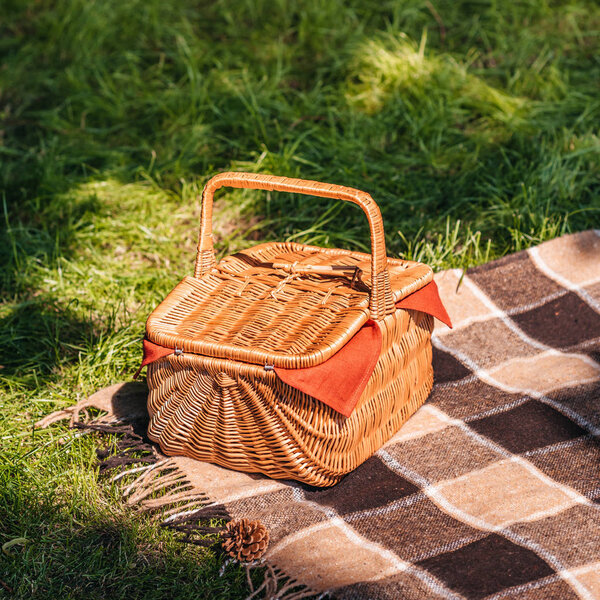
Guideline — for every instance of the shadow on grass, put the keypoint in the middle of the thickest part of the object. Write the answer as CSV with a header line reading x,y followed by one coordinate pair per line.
x,y
38,335
109,557
38,232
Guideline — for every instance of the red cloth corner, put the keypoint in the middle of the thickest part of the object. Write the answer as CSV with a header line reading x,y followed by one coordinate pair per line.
x,y
152,352
340,381
427,300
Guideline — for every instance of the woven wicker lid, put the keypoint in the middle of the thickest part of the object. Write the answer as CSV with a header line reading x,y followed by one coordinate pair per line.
x,y
281,304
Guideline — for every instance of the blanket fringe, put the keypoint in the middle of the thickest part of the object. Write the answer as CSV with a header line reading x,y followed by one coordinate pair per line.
x,y
277,585
193,524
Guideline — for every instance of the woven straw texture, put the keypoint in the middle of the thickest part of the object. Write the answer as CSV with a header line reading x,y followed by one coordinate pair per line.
x,y
292,306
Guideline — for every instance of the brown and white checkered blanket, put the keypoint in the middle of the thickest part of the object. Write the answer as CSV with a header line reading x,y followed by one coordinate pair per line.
x,y
492,489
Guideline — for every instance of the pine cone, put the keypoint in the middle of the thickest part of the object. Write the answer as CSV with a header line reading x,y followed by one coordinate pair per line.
x,y
245,540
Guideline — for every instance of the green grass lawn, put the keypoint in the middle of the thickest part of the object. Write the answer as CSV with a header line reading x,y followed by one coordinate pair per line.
x,y
473,123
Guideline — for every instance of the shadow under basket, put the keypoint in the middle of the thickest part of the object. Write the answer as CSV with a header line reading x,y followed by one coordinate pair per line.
x,y
218,398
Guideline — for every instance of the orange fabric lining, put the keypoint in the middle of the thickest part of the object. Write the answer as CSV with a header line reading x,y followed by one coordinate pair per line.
x,y
152,352
427,300
340,380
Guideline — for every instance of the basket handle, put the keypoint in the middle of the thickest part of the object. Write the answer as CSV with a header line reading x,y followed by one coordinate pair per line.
x,y
381,301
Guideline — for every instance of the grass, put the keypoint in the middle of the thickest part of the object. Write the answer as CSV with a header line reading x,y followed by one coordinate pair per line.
x,y
473,124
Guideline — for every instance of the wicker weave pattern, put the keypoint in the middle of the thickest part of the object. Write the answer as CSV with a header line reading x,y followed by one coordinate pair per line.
x,y
292,306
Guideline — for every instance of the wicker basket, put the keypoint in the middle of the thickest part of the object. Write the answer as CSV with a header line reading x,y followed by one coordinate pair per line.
x,y
288,305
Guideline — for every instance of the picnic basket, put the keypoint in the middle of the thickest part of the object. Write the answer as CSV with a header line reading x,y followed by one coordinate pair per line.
x,y
217,396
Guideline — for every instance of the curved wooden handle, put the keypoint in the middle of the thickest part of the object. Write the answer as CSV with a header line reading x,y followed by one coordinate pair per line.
x,y
381,302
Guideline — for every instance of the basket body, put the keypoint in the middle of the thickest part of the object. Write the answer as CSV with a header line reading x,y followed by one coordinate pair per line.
x,y
233,324
240,416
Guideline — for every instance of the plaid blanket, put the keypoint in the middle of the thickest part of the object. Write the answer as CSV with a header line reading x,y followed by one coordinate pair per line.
x,y
492,489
